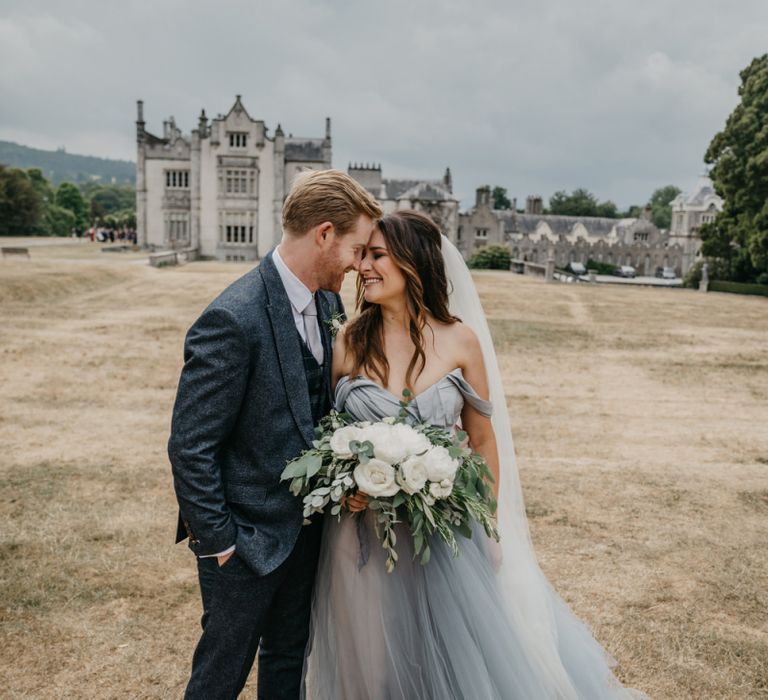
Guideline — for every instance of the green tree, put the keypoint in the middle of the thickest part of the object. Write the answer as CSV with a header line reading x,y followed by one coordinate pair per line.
x,y
491,257
661,205
581,202
59,221
608,210
739,156
108,199
21,205
500,198
42,185
68,196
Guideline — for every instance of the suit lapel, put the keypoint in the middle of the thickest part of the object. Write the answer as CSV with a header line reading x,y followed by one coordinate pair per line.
x,y
288,348
324,314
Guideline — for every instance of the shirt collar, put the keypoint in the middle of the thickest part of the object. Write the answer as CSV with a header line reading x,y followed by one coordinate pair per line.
x,y
298,293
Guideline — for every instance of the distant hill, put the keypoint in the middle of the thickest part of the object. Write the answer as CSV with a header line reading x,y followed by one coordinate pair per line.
x,y
60,166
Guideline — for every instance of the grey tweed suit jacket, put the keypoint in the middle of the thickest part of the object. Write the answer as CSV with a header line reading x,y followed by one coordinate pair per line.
x,y
242,410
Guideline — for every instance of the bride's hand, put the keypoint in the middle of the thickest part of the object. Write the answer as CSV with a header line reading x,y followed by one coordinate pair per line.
x,y
356,503
495,554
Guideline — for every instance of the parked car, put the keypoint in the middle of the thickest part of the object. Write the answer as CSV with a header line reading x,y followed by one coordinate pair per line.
x,y
668,273
578,268
627,271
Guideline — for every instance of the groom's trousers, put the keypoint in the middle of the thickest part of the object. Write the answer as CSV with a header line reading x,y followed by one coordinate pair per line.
x,y
243,612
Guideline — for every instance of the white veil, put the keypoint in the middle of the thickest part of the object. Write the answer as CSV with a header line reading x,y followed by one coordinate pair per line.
x,y
548,627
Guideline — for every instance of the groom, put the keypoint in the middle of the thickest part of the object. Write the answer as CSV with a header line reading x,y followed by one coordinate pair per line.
x,y
256,379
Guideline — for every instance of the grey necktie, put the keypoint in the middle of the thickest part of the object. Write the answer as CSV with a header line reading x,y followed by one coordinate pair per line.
x,y
312,331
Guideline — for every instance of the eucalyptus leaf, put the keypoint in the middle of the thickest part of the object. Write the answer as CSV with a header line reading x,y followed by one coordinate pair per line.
x,y
425,555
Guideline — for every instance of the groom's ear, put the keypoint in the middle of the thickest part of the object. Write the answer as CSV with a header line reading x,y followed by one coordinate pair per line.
x,y
324,233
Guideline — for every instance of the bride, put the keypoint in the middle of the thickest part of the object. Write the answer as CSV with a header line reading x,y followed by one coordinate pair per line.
x,y
486,624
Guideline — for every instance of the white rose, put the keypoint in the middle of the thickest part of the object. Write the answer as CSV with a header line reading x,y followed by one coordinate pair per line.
x,y
440,464
341,438
380,436
441,489
395,443
412,475
376,478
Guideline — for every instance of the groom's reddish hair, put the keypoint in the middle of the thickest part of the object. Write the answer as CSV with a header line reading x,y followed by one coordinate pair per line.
x,y
318,196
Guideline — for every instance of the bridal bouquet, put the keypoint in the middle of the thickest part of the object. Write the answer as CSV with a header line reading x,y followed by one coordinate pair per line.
x,y
418,474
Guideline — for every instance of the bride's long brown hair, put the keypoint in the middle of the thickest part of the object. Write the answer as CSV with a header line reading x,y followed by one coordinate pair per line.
x,y
413,242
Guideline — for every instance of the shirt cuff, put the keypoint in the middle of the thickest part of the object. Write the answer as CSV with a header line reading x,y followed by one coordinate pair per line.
x,y
220,554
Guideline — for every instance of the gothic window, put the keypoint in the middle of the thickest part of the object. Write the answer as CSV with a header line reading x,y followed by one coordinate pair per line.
x,y
237,227
177,179
481,233
177,227
238,139
236,182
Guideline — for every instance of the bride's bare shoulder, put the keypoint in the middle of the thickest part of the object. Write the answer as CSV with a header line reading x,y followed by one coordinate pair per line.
x,y
460,338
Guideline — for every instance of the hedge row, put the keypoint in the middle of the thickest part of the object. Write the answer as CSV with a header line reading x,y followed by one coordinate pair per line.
x,y
738,288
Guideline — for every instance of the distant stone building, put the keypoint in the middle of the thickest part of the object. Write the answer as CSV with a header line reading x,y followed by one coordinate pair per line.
x,y
689,212
433,197
531,235
220,189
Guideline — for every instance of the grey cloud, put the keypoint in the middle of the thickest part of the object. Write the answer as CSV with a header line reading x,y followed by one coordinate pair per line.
x,y
616,96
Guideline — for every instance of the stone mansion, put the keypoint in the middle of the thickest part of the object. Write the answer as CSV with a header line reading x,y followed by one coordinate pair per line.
x,y
531,235
219,191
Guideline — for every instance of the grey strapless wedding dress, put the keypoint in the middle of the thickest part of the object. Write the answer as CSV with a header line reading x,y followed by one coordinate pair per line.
x,y
434,632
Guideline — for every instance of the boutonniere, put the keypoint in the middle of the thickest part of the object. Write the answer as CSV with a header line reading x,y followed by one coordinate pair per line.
x,y
334,323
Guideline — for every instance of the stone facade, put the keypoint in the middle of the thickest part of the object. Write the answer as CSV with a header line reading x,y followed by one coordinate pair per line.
x,y
220,189
689,212
433,197
531,235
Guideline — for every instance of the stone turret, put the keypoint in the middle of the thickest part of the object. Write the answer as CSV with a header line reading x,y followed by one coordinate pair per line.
x,y
141,177
534,204
483,196
140,124
448,180
327,143
202,124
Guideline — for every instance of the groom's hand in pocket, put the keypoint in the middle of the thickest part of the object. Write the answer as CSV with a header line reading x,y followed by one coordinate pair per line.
x,y
224,558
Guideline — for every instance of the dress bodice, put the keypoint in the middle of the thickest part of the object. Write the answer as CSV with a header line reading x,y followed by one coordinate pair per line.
x,y
439,404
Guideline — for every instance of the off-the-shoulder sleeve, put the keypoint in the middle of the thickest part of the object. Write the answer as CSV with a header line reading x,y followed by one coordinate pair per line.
x,y
343,387
482,406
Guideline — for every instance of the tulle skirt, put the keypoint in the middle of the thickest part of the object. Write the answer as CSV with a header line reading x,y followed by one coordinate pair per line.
x,y
437,631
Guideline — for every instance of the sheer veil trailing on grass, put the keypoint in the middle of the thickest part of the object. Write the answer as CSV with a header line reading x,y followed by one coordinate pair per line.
x,y
573,663
570,661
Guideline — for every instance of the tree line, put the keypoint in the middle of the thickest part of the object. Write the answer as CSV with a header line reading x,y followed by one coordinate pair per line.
x,y
736,242
581,202
31,206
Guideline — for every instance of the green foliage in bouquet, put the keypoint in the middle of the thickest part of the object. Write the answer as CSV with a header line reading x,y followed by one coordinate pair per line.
x,y
420,475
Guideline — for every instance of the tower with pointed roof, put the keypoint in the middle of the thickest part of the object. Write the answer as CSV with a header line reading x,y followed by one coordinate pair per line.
x,y
690,211
219,190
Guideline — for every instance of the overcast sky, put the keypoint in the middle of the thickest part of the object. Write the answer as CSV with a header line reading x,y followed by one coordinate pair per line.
x,y
617,96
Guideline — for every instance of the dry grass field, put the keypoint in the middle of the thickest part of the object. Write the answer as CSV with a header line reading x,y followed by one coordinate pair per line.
x,y
641,422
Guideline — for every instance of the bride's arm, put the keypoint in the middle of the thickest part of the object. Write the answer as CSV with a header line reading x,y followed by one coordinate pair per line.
x,y
482,438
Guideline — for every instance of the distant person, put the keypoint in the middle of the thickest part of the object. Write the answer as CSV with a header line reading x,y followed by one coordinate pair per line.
x,y
255,382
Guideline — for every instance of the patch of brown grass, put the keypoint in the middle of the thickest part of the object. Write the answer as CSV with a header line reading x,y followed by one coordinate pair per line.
x,y
639,419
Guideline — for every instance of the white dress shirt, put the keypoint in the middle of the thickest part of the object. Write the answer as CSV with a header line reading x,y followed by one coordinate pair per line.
x,y
299,296
298,293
